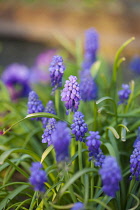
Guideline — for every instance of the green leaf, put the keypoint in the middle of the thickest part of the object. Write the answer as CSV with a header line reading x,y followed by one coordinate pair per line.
x,y
137,202
46,152
110,149
12,195
113,131
95,68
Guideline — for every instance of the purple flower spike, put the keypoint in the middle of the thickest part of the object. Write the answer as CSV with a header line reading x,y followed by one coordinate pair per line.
x,y
88,87
38,177
16,78
50,128
78,206
61,140
124,94
135,65
71,94
95,153
34,104
91,47
79,127
111,176
138,138
135,162
56,69
49,109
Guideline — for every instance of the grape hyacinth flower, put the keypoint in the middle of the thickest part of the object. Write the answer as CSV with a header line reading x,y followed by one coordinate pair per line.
x,y
56,69
79,127
88,87
91,47
124,93
135,65
78,206
50,128
40,72
138,138
49,109
34,104
61,140
135,162
95,153
38,177
111,176
16,78
71,94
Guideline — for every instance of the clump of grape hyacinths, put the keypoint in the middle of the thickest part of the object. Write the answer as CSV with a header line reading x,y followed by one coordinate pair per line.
x,y
111,176
38,177
16,78
95,152
88,87
49,109
91,47
135,65
56,69
50,128
61,139
34,104
79,127
135,162
78,206
124,94
71,94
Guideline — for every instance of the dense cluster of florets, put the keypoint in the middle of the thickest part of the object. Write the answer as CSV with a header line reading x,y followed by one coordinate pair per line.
x,y
50,128
111,176
79,127
135,162
124,93
34,104
93,143
71,94
91,47
56,69
38,177
88,87
61,140
49,109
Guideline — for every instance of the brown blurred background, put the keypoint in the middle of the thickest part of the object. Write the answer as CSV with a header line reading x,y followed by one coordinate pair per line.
x,y
29,27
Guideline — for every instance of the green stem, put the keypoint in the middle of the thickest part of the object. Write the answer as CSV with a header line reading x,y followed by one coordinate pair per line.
x,y
57,101
95,125
80,159
92,182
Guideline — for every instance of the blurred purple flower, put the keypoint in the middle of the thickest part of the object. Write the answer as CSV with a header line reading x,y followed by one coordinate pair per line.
x,y
135,162
40,72
135,65
138,138
124,93
38,177
78,206
16,77
91,47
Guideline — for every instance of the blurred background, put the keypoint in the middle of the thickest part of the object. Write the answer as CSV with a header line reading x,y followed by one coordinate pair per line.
x,y
28,27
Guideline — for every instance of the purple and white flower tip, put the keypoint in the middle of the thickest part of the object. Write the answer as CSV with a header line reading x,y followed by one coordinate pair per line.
x,y
124,93
49,109
38,177
79,127
50,128
78,206
111,176
135,162
91,47
56,69
16,78
88,87
34,104
71,94
61,139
